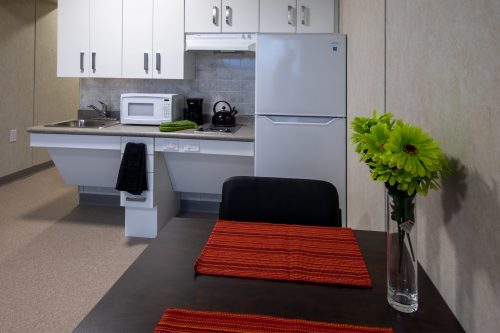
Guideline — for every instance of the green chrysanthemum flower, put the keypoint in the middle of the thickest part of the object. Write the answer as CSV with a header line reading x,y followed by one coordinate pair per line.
x,y
375,142
363,125
413,150
404,157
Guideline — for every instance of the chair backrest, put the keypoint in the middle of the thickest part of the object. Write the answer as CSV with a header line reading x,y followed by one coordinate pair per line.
x,y
280,200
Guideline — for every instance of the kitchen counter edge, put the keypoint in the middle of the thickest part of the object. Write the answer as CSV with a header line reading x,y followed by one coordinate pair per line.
x,y
245,133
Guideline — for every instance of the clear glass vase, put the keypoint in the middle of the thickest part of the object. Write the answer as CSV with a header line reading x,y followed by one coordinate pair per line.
x,y
402,290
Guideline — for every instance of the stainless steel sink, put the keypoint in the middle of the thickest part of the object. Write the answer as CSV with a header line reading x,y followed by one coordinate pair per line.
x,y
86,123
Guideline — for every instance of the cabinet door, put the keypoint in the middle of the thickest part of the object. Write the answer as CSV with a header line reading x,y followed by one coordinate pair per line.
x,y
138,38
73,38
203,16
168,39
277,16
240,15
315,16
105,38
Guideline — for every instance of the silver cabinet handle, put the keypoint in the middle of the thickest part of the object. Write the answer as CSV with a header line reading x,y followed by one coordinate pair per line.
x,y
93,60
135,199
214,15
82,55
290,15
146,61
303,19
158,61
229,15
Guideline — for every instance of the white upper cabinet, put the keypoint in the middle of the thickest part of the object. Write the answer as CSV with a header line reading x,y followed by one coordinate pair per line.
x,y
89,38
73,33
153,40
105,38
296,16
214,16
137,38
170,61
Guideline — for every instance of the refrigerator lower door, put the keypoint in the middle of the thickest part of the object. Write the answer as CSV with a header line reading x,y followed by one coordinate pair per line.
x,y
303,147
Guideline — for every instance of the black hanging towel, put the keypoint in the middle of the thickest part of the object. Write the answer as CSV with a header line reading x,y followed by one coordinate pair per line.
x,y
132,175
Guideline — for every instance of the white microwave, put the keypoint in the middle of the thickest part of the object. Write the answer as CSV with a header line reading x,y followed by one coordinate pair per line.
x,y
150,109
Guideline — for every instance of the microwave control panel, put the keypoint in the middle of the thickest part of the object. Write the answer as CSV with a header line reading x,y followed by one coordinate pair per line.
x,y
167,108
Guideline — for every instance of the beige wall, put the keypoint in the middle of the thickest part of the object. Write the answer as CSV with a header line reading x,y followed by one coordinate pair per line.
x,y
55,98
30,93
17,38
363,22
443,73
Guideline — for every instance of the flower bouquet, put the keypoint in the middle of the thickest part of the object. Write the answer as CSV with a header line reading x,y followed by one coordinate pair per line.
x,y
408,161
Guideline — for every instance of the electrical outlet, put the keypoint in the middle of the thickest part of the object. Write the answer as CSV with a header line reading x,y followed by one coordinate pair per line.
x,y
13,135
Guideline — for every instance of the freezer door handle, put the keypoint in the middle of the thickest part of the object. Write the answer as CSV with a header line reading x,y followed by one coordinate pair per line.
x,y
290,120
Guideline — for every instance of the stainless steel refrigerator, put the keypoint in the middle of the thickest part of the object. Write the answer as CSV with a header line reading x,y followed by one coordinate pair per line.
x,y
300,111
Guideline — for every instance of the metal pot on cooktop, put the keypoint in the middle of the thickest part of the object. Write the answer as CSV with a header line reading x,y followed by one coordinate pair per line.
x,y
224,114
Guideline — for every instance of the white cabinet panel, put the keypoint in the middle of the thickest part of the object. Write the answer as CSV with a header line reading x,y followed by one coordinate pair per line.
x,y
137,38
106,38
203,16
170,61
300,16
143,200
89,167
149,142
277,16
73,38
88,160
153,40
202,166
240,15
212,16
315,16
89,38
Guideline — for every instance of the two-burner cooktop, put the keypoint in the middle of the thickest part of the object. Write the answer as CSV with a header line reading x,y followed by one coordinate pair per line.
x,y
209,128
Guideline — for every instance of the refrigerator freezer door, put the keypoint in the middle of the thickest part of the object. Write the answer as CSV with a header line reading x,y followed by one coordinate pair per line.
x,y
303,75
303,147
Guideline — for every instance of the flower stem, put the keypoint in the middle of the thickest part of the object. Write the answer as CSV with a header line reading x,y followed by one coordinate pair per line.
x,y
411,247
401,236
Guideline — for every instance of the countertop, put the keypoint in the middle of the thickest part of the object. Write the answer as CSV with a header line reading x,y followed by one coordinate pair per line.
x,y
245,133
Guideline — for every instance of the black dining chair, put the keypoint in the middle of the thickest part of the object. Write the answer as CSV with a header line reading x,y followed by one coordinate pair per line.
x,y
280,200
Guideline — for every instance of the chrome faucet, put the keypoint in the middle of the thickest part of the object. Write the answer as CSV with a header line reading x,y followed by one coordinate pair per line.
x,y
104,109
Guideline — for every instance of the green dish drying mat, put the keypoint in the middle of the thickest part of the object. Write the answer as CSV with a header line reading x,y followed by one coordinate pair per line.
x,y
178,125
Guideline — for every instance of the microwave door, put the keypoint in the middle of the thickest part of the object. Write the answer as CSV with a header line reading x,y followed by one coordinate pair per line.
x,y
141,109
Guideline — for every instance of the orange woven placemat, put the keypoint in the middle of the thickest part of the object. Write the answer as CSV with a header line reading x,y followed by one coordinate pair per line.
x,y
284,252
189,321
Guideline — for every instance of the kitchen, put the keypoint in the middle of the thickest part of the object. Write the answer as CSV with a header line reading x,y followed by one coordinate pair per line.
x,y
287,117
365,90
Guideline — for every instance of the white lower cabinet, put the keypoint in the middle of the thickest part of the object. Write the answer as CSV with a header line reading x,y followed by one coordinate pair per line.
x,y
147,213
87,160
202,166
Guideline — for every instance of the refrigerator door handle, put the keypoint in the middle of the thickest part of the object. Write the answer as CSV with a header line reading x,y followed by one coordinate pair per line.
x,y
291,120
290,15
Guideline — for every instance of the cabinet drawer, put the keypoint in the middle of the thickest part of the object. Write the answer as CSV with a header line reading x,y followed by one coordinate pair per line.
x,y
144,200
149,142
210,147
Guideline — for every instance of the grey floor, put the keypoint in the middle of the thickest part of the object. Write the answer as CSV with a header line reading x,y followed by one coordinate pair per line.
x,y
57,259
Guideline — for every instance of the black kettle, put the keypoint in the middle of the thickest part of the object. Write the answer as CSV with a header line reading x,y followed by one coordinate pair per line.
x,y
224,116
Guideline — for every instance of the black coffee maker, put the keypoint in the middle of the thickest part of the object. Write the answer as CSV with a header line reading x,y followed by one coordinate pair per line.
x,y
195,110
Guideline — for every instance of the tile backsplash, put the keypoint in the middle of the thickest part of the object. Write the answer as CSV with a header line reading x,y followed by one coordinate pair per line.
x,y
219,76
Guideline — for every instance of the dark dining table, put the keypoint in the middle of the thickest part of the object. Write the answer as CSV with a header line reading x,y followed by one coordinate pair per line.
x,y
163,276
